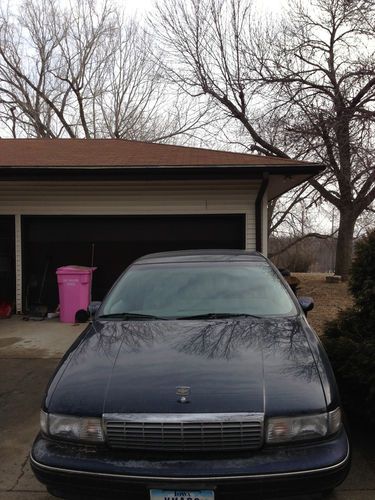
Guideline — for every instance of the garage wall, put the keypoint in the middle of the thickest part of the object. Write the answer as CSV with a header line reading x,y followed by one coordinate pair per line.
x,y
132,198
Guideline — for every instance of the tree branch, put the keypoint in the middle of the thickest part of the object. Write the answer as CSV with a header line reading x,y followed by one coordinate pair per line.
x,y
301,238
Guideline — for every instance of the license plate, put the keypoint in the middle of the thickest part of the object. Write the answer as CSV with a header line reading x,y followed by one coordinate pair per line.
x,y
182,495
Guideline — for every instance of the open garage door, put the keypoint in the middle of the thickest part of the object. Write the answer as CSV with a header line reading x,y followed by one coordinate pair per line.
x,y
111,243
7,259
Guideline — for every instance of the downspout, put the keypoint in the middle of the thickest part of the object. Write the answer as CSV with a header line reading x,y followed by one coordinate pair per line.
x,y
258,212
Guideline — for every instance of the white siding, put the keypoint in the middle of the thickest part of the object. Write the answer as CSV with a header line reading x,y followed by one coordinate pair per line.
x,y
132,198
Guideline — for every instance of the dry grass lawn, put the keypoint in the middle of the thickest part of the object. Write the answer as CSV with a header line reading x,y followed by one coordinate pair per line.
x,y
329,298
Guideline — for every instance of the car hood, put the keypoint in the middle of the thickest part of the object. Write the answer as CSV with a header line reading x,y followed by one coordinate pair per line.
x,y
230,365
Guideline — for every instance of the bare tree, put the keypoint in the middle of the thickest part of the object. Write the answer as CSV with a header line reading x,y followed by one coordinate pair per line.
x,y
84,70
313,71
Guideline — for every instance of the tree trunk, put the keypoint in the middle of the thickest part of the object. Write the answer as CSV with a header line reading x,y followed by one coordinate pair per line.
x,y
344,249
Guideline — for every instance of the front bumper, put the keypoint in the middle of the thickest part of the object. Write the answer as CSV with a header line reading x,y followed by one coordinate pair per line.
x,y
72,471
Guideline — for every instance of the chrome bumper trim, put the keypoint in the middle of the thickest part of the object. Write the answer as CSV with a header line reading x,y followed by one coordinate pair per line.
x,y
194,479
184,417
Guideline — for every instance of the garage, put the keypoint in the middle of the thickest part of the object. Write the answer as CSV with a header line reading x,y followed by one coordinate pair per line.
x,y
105,202
111,243
7,264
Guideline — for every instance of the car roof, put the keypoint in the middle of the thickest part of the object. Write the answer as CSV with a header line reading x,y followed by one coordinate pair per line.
x,y
214,255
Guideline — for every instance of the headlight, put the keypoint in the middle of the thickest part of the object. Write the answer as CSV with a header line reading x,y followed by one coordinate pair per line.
x,y
306,427
72,428
44,422
334,421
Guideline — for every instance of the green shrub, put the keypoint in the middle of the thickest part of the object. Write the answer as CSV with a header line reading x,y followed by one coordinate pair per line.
x,y
362,282
350,339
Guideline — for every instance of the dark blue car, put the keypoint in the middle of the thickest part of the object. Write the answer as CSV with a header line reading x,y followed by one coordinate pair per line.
x,y
199,378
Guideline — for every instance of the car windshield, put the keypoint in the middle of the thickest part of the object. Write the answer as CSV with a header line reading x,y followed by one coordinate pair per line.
x,y
187,290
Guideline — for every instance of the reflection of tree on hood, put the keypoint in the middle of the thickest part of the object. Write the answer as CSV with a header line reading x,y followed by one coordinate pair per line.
x,y
214,339
107,336
227,338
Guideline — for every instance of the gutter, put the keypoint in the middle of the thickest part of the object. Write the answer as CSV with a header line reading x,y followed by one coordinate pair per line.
x,y
153,172
258,212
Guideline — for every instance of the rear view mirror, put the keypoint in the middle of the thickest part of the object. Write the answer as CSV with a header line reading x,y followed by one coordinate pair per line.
x,y
93,307
307,304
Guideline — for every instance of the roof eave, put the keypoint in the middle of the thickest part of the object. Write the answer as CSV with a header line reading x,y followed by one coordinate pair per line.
x,y
291,175
275,168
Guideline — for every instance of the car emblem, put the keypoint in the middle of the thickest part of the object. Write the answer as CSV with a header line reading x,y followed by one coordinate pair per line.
x,y
183,393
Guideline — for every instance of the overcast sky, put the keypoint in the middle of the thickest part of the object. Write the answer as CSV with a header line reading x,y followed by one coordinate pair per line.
x,y
143,6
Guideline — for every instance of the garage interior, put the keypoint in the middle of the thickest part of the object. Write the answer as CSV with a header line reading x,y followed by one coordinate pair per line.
x,y
7,260
111,243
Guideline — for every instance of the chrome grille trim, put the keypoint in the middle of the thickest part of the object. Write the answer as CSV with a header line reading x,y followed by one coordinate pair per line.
x,y
184,431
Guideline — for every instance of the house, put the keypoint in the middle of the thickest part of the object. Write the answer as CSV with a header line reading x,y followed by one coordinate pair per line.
x,y
105,202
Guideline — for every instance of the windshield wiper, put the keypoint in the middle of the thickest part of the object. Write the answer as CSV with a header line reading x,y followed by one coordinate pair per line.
x,y
129,315
218,316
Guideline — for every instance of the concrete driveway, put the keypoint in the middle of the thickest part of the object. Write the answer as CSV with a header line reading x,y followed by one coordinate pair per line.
x,y
29,353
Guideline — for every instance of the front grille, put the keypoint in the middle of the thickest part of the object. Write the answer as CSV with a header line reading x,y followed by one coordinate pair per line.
x,y
189,432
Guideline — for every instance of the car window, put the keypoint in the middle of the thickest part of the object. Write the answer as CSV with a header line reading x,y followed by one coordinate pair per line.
x,y
194,289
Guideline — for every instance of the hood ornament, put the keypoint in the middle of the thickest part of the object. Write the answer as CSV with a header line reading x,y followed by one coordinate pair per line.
x,y
183,393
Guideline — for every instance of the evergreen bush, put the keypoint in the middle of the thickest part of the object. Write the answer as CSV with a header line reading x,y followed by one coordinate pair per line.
x,y
350,339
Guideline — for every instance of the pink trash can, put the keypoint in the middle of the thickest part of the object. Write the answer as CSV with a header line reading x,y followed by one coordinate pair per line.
x,y
74,290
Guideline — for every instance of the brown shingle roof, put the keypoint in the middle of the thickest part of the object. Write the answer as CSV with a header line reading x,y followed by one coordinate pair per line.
x,y
120,153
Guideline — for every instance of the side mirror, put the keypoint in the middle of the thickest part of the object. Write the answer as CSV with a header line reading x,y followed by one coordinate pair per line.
x,y
307,304
93,307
